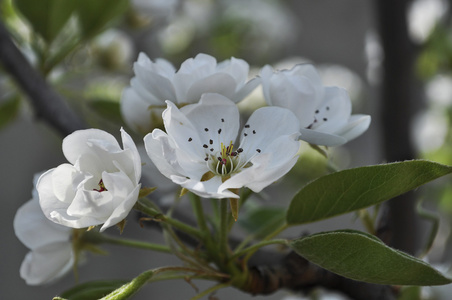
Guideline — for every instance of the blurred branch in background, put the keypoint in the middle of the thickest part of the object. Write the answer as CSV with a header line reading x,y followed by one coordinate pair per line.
x,y
48,105
398,103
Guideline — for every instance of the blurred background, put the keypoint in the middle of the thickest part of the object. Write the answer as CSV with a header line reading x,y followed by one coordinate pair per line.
x,y
394,58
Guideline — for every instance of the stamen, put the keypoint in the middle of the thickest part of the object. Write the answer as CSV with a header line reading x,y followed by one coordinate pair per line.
x,y
205,146
190,139
258,150
247,126
206,129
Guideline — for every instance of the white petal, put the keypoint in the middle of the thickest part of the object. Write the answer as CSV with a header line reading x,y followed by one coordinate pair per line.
x,y
162,154
47,198
47,263
182,131
135,111
321,138
77,143
293,92
206,189
123,209
334,111
220,83
246,89
355,127
128,143
160,86
34,230
216,113
265,125
237,68
271,164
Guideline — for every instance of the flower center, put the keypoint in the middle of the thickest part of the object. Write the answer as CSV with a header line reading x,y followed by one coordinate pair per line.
x,y
226,161
101,187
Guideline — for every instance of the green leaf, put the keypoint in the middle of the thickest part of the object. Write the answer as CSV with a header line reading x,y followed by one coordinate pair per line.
x,y
47,17
107,109
363,257
261,221
9,110
92,290
353,189
94,16
128,290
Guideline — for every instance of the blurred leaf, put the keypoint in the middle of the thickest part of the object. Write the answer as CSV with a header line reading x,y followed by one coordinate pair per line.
x,y
107,109
363,257
9,110
261,221
92,290
95,15
357,188
47,17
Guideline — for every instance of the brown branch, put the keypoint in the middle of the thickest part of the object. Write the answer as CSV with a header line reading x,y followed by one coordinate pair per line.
x,y
48,105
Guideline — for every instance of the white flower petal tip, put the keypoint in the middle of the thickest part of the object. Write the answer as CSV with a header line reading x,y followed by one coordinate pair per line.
x,y
155,82
324,112
203,151
98,187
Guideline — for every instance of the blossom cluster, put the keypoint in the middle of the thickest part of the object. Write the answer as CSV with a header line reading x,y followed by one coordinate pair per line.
x,y
200,145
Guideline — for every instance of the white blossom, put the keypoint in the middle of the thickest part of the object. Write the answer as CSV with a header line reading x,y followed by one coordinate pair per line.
x,y
324,112
99,185
156,82
51,254
202,152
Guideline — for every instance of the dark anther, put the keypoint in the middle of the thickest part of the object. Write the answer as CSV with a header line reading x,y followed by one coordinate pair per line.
x,y
219,158
258,150
222,120
219,131
210,142
206,159
211,149
325,119
254,131
327,108
247,126
317,111
246,134
206,129
205,146
240,150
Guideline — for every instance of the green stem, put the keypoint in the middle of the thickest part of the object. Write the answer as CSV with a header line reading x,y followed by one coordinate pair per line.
x,y
199,212
223,242
268,237
135,244
255,247
210,290
140,206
